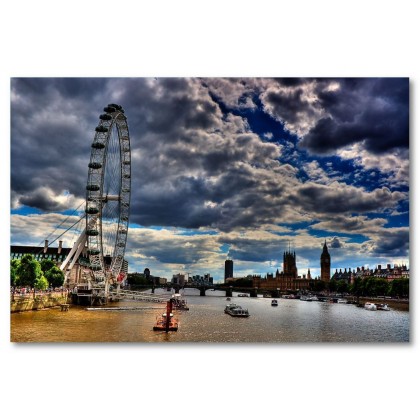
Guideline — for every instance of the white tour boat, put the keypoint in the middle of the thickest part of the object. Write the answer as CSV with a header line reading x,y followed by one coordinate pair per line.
x,y
370,306
237,311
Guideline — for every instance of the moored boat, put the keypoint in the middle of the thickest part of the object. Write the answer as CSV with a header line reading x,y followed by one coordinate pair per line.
x,y
370,306
383,307
243,295
308,298
337,299
237,311
178,302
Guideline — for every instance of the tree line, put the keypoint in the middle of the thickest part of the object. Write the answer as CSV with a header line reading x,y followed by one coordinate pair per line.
x,y
368,286
28,272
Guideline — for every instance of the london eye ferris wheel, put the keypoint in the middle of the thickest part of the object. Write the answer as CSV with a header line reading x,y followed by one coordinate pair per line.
x,y
108,194
107,209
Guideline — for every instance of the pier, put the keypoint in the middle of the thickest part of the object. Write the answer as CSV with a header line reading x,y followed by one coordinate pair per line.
x,y
98,297
134,295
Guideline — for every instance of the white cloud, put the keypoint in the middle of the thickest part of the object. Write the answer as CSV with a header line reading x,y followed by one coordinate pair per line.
x,y
394,165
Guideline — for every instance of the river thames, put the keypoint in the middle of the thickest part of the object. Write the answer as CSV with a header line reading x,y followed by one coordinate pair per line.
x,y
292,321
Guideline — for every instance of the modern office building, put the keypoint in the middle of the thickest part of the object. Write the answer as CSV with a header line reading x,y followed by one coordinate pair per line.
x,y
228,269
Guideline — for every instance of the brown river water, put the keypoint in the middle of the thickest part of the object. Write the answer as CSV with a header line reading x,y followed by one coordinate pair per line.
x,y
292,321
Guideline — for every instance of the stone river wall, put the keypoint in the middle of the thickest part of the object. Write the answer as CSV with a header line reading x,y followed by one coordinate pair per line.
x,y
31,302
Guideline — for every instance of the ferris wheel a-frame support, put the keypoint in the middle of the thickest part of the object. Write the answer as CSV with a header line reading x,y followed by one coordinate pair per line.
x,y
73,256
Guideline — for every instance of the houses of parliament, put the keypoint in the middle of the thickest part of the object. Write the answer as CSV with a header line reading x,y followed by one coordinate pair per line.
x,y
288,279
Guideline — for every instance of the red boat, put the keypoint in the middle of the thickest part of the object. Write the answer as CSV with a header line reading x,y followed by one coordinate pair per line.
x,y
166,322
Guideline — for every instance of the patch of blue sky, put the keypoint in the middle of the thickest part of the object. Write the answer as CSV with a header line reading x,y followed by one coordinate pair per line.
x,y
337,166
27,210
404,207
259,121
72,211
354,237
181,232
285,234
262,123
302,176
398,220
224,248
192,232
137,226
296,226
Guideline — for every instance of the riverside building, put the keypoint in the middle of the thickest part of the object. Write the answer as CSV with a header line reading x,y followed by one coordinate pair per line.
x,y
287,279
228,269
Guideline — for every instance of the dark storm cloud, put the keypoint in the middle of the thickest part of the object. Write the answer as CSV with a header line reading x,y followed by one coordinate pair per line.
x,y
351,224
340,198
290,81
52,127
335,243
180,203
193,164
166,106
373,111
169,247
41,200
255,249
395,242
289,104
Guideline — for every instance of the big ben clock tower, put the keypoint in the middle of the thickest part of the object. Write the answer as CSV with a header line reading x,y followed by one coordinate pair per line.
x,y
325,264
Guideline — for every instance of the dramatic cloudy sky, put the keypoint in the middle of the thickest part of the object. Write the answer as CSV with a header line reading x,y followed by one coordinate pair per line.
x,y
237,168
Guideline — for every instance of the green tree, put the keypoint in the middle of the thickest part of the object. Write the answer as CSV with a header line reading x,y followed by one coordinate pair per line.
x,y
400,287
14,264
375,286
28,271
382,287
46,265
332,286
342,286
357,287
243,282
137,279
54,276
41,283
318,285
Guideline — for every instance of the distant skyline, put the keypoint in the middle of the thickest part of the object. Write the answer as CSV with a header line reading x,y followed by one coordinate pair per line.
x,y
225,168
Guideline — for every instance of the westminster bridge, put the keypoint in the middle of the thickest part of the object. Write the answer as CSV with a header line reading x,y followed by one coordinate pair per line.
x,y
251,291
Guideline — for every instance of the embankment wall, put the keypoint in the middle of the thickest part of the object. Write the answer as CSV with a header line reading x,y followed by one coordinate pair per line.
x,y
29,302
